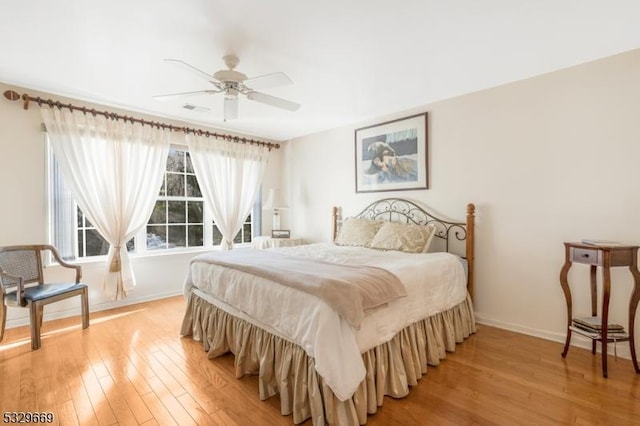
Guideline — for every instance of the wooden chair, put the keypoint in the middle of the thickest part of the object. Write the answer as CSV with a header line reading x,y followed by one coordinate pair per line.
x,y
22,265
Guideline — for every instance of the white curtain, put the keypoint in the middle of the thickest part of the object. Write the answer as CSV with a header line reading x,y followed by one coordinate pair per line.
x,y
229,175
114,169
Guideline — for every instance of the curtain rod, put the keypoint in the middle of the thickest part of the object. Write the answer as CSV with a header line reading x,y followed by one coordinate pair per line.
x,y
14,96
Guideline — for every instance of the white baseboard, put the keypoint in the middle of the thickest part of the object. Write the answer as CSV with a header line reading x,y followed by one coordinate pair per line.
x,y
576,340
111,304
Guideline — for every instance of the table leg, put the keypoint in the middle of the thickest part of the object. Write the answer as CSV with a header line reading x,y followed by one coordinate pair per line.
x,y
567,295
606,288
633,305
593,278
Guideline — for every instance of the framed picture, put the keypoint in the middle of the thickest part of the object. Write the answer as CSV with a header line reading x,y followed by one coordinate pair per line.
x,y
280,233
392,156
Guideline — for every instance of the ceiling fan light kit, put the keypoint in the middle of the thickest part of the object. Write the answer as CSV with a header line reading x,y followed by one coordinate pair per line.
x,y
232,83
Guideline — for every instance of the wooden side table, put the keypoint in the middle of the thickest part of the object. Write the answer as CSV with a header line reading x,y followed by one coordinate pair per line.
x,y
604,256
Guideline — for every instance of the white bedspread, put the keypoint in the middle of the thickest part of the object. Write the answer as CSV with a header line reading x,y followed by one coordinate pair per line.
x,y
435,282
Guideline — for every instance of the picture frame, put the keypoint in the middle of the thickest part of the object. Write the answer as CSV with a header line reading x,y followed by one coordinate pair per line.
x,y
280,233
392,156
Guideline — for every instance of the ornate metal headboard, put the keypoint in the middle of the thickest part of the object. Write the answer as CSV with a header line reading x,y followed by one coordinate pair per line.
x,y
453,237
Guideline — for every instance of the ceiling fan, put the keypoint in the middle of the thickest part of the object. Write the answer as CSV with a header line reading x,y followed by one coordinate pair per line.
x,y
231,83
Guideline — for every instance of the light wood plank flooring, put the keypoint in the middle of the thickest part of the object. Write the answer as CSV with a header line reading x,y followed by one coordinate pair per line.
x,y
131,367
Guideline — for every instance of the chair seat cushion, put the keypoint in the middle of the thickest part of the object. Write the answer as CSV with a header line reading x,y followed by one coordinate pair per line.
x,y
46,291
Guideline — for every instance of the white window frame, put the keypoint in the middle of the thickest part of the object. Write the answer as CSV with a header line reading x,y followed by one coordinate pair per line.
x,y
141,237
206,213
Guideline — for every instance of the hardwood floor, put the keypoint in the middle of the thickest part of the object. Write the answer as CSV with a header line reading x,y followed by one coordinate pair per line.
x,y
131,367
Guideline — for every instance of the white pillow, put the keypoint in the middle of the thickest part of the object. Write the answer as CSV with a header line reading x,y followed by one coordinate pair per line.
x,y
407,237
357,232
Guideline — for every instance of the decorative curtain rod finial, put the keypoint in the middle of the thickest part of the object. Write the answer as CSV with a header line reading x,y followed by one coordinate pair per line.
x,y
12,95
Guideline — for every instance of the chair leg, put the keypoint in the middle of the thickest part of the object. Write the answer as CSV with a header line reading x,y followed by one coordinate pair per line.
x,y
35,312
85,308
3,319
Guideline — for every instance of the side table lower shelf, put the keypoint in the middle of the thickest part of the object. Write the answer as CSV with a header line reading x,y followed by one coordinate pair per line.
x,y
617,337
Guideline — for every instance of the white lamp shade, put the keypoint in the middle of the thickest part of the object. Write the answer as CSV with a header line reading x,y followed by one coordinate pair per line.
x,y
275,200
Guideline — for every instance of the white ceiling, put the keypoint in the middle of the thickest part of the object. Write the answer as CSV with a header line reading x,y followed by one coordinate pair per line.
x,y
350,60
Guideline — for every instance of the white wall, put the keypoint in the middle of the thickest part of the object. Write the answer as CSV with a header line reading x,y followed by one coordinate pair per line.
x,y
23,213
550,159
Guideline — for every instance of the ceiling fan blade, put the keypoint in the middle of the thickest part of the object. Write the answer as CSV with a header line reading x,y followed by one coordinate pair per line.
x,y
268,80
192,69
273,101
230,108
184,94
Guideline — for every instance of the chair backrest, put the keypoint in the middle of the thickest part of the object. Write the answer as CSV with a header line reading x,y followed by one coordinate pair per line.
x,y
22,261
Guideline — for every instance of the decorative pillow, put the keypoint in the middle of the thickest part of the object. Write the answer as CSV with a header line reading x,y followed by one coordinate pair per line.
x,y
432,232
406,237
357,232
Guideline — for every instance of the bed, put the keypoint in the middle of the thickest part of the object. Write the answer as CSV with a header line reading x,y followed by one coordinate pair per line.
x,y
324,363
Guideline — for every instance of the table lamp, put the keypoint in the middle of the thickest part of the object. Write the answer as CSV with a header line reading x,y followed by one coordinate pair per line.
x,y
275,202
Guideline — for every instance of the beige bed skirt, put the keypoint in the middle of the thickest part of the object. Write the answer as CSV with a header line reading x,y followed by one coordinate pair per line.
x,y
284,368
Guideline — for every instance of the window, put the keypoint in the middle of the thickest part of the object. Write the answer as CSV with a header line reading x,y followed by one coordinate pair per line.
x,y
180,218
244,236
90,242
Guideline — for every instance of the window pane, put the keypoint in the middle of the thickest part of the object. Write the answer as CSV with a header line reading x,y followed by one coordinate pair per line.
x,y
159,214
217,236
96,245
156,237
189,164
177,236
195,236
175,185
177,211
175,160
246,228
80,217
80,243
163,187
193,189
238,238
194,209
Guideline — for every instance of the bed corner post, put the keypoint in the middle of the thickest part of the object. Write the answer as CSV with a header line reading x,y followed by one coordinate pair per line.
x,y
470,246
334,223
